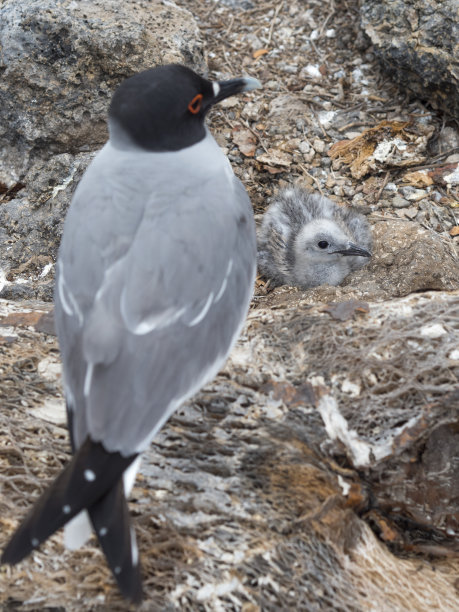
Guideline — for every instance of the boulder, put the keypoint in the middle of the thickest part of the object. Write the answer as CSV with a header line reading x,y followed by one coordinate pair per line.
x,y
418,43
61,61
408,258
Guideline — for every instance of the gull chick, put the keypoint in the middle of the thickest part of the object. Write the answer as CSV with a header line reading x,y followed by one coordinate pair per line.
x,y
154,278
307,240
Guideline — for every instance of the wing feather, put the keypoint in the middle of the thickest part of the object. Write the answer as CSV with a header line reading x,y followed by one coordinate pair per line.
x,y
153,329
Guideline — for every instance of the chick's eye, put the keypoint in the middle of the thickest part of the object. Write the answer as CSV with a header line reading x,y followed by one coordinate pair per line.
x,y
195,104
323,244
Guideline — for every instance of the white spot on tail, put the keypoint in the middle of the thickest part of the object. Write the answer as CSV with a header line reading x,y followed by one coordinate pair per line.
x,y
66,509
216,88
34,542
103,531
89,475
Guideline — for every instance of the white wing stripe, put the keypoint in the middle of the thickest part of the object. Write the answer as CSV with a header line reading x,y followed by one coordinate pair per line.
x,y
169,315
63,290
225,281
88,379
60,286
203,312
222,290
76,307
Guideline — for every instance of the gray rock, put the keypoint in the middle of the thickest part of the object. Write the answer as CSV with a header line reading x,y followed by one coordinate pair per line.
x,y
32,221
418,43
287,108
60,63
448,139
409,259
399,202
239,5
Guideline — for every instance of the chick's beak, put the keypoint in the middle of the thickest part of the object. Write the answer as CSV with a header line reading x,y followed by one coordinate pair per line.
x,y
353,249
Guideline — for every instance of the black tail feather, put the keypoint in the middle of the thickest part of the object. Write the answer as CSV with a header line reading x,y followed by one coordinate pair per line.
x,y
90,474
111,522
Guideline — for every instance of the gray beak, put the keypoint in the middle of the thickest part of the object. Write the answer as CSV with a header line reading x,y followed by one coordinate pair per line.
x,y
353,249
224,89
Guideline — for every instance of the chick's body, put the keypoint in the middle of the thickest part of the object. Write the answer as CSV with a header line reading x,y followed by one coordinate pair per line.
x,y
307,240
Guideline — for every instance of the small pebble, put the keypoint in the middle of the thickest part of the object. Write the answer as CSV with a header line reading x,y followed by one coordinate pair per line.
x,y
399,202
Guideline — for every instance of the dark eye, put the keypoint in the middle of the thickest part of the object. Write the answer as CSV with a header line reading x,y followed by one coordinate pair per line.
x,y
195,104
323,244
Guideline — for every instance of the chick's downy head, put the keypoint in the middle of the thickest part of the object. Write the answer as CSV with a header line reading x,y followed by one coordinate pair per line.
x,y
308,240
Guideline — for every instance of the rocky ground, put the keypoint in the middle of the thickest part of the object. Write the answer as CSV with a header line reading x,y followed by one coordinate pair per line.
x,y
319,470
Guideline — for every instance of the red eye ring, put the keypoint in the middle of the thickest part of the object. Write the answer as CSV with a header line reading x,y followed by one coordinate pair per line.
x,y
195,105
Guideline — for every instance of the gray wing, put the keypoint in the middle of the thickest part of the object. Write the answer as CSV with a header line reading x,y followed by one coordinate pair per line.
x,y
149,300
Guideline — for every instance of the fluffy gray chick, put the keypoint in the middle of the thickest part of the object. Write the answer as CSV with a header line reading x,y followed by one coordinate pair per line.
x,y
307,240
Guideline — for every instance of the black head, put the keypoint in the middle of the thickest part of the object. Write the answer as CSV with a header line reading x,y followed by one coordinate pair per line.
x,y
163,109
